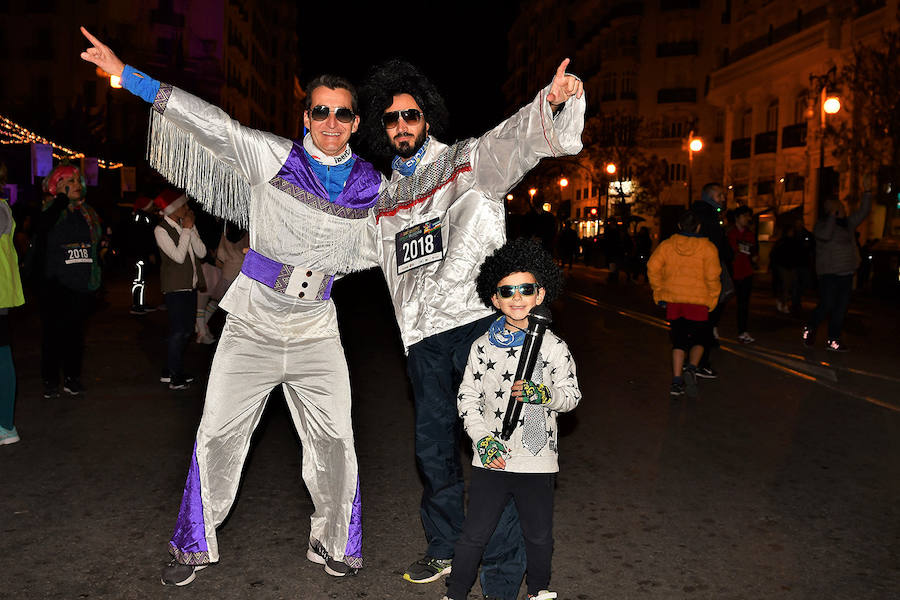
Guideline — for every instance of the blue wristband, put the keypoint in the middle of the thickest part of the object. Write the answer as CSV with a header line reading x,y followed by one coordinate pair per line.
x,y
140,84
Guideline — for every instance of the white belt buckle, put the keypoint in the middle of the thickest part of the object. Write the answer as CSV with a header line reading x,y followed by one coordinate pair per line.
x,y
304,283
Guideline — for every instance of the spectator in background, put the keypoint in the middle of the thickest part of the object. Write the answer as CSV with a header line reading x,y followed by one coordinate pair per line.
x,y
684,274
643,246
742,240
181,250
67,266
10,296
568,244
709,211
837,258
230,253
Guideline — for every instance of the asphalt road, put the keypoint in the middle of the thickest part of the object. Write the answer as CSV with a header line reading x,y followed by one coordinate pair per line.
x,y
780,481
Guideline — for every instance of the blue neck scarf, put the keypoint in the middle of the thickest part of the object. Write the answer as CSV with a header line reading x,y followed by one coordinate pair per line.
x,y
407,167
501,337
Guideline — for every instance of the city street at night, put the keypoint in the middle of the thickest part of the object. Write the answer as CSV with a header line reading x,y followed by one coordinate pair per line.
x,y
780,481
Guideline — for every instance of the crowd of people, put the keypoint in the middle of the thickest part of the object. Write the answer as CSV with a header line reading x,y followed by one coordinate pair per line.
x,y
293,215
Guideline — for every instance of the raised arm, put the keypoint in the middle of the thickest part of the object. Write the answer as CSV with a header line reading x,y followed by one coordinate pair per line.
x,y
196,145
550,125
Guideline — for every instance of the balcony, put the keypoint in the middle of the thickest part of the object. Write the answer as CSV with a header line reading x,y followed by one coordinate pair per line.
x,y
740,148
765,143
688,48
673,95
678,4
793,136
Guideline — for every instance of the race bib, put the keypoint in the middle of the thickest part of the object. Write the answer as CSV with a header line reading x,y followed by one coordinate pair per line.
x,y
745,247
419,245
78,253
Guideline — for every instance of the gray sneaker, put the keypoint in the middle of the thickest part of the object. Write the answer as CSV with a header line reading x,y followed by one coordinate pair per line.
x,y
427,569
336,568
178,574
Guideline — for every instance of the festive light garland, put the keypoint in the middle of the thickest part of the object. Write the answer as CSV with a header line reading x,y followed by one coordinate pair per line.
x,y
13,133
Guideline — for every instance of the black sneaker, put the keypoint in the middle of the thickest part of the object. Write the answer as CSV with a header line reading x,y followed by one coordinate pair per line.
x,y
178,382
707,373
165,377
676,390
690,381
72,387
336,568
51,390
427,569
176,573
836,346
808,336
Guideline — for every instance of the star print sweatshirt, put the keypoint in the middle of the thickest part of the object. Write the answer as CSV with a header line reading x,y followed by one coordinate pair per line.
x,y
485,389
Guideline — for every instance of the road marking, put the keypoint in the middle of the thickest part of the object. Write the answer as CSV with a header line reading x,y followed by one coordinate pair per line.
x,y
776,359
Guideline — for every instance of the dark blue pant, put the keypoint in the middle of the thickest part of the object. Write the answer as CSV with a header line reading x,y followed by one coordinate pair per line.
x,y
182,309
834,298
435,367
489,493
743,288
64,315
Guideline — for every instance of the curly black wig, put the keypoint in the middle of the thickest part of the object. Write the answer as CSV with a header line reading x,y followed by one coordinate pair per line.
x,y
384,81
521,255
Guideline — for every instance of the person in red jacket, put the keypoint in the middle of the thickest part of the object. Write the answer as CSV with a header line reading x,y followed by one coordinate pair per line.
x,y
742,240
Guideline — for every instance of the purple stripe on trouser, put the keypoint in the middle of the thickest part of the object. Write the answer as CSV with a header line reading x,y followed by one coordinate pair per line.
x,y
188,543
354,537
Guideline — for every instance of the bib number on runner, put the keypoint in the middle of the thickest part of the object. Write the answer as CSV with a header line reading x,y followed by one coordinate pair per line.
x,y
77,254
419,245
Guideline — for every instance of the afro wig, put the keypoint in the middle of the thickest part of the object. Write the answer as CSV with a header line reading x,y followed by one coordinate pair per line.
x,y
390,79
521,255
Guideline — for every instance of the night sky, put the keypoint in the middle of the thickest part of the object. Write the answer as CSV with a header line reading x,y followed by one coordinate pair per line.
x,y
461,46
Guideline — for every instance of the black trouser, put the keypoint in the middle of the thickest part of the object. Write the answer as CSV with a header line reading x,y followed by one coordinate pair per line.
x,y
64,315
489,493
435,367
712,342
834,298
742,289
182,308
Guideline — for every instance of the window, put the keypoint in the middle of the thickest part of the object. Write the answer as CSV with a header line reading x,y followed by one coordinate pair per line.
x,y
772,116
720,126
747,123
628,85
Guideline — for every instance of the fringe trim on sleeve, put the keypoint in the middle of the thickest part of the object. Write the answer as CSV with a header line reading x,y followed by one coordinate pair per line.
x,y
185,163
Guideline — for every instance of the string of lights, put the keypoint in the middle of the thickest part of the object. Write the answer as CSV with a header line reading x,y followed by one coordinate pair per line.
x,y
13,133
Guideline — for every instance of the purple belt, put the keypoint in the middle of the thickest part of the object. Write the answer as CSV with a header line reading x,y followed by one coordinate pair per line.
x,y
286,279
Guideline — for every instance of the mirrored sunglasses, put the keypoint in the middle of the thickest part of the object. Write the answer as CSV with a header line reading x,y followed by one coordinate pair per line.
x,y
342,114
411,116
526,289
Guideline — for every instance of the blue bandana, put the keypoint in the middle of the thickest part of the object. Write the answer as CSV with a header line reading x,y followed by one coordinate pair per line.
x,y
501,337
408,167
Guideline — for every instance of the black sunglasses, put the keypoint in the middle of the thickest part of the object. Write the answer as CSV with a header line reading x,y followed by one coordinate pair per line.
x,y
411,116
321,112
526,289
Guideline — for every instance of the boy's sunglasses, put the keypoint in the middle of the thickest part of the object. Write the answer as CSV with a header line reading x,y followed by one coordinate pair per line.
x,y
320,113
411,116
526,289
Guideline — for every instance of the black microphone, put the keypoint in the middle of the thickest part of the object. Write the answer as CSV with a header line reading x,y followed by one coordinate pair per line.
x,y
538,320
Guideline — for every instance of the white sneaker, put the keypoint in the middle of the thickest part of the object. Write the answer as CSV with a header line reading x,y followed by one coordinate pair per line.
x,y
543,595
746,338
8,436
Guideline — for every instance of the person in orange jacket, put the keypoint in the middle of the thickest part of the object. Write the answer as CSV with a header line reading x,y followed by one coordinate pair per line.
x,y
684,275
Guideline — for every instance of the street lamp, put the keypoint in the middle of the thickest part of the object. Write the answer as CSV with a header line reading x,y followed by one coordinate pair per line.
x,y
828,105
563,182
694,144
611,168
